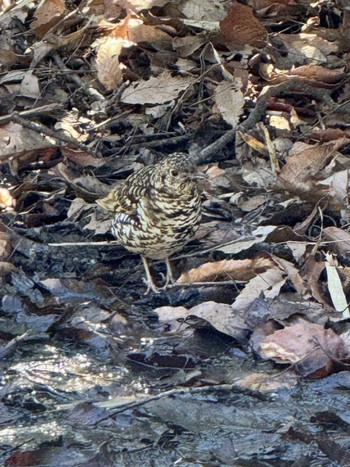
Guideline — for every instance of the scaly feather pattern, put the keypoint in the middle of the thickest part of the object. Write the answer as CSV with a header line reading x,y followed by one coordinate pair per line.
x,y
157,210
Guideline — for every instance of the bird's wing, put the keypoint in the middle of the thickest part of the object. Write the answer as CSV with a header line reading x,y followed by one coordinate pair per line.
x,y
125,198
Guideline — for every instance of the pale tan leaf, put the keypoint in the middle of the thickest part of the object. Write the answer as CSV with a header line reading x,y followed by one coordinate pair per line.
x,y
138,5
230,100
109,71
340,239
18,140
185,46
7,202
338,184
307,48
335,286
268,283
293,274
218,315
298,249
156,90
203,10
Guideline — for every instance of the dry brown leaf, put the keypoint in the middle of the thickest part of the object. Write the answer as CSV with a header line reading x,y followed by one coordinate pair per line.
x,y
311,274
87,185
51,42
329,134
133,29
310,345
140,32
318,74
305,163
315,75
6,268
81,158
157,90
276,9
48,13
240,269
241,27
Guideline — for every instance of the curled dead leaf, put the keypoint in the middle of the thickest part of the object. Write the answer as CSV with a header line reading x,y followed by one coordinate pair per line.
x,y
241,270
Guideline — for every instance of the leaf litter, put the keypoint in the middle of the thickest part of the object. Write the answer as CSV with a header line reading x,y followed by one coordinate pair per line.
x,y
257,92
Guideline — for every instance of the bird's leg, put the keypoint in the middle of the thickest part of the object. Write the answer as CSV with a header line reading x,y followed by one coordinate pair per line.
x,y
169,273
148,281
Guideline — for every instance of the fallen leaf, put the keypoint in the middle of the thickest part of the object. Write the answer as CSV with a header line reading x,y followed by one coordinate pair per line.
x,y
219,315
339,238
240,270
308,345
335,287
230,101
241,27
156,90
47,14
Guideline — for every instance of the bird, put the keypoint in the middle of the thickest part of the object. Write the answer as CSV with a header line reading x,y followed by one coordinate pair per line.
x,y
157,210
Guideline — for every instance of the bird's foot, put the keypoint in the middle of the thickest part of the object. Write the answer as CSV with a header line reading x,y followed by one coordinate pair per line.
x,y
150,286
168,278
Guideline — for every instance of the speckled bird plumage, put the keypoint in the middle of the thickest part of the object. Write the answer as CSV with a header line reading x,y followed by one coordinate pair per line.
x,y
157,209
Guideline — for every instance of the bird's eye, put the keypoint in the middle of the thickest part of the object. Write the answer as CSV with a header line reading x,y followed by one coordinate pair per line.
x,y
174,173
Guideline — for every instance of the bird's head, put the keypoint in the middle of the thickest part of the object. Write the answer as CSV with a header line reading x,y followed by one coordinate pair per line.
x,y
176,172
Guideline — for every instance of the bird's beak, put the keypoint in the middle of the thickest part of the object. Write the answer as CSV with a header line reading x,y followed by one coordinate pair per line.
x,y
199,176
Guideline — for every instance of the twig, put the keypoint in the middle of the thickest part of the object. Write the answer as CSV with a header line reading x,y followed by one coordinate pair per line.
x,y
65,244
4,350
36,112
58,136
